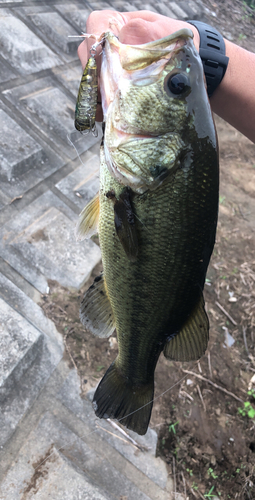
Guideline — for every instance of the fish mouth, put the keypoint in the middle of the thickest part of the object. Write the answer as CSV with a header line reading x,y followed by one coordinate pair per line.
x,y
121,137
133,57
141,64
124,67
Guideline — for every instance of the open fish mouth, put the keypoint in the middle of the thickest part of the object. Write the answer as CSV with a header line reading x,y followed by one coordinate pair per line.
x,y
133,77
141,64
133,57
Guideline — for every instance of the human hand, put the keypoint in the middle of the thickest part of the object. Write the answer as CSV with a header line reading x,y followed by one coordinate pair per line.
x,y
132,28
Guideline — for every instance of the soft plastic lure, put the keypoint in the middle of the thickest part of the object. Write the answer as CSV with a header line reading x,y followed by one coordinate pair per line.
x,y
85,111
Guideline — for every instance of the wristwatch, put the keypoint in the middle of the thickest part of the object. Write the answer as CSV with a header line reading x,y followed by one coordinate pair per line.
x,y
212,53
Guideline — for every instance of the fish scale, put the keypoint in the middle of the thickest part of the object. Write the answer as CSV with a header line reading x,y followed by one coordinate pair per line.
x,y
170,262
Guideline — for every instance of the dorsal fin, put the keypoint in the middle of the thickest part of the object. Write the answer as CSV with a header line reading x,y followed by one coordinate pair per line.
x,y
96,310
191,341
89,217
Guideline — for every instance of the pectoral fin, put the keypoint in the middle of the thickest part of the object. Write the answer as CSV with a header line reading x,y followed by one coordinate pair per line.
x,y
96,310
191,341
124,220
89,217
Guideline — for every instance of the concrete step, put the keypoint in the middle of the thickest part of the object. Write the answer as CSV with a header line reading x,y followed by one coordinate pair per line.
x,y
31,311
55,461
50,26
54,477
27,356
22,48
151,466
82,184
40,244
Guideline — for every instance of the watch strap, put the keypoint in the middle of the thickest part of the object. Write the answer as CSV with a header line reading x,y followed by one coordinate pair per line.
x,y
212,53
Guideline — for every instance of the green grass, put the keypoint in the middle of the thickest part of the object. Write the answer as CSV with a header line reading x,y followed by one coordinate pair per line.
x,y
251,3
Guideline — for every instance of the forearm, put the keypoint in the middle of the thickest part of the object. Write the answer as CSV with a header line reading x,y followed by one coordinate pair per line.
x,y
234,99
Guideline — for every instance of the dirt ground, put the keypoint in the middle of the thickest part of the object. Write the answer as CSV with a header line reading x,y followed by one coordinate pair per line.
x,y
234,19
206,423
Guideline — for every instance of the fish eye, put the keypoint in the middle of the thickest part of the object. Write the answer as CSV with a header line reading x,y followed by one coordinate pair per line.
x,y
177,84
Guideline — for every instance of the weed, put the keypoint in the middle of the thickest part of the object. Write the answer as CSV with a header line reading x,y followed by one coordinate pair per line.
x,y
251,393
194,486
172,427
247,410
209,494
211,473
190,471
251,3
222,199
99,368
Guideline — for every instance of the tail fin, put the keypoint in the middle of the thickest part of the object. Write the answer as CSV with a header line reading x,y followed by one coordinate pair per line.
x,y
130,405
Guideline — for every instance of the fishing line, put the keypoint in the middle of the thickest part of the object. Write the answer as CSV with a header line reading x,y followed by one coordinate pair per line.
x,y
141,221
78,155
83,35
76,150
152,401
118,420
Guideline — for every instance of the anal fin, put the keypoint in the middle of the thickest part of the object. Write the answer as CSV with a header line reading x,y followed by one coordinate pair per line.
x,y
89,217
96,310
191,341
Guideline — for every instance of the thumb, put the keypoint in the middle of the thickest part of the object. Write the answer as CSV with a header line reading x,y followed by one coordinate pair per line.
x,y
137,31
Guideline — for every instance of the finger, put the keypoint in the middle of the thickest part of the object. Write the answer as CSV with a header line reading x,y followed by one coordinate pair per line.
x,y
97,23
144,26
138,31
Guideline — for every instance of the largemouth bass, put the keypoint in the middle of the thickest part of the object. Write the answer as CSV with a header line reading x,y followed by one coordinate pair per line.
x,y
156,213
